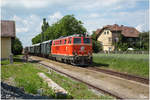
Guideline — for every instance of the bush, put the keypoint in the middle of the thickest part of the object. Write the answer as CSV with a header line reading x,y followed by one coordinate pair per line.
x,y
96,46
16,46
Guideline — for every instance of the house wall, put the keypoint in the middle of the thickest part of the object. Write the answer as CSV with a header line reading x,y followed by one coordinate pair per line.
x,y
5,47
106,39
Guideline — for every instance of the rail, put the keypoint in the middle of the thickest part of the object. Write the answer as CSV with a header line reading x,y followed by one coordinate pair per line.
x,y
88,84
122,75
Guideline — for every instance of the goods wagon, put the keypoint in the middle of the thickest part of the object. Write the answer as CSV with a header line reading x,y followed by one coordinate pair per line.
x,y
46,48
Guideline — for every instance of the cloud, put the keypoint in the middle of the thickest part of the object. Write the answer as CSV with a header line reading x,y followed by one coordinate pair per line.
x,y
21,29
25,3
94,15
34,3
138,19
70,4
27,28
140,27
54,17
106,5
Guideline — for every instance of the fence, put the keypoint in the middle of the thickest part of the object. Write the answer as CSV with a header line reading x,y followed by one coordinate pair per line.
x,y
125,52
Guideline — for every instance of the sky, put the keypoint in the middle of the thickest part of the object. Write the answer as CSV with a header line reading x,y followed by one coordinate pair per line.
x,y
28,14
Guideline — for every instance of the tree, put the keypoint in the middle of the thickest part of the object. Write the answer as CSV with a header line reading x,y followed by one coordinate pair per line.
x,y
144,41
44,28
36,39
120,44
96,45
16,46
68,25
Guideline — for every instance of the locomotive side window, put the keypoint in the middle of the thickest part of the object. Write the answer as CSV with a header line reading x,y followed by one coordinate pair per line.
x,y
77,40
65,41
54,43
60,41
70,39
86,40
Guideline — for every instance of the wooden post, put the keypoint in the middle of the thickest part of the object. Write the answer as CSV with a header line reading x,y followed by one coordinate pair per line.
x,y
11,58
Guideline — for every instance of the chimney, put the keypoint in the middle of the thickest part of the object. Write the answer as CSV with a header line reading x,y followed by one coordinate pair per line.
x,y
115,24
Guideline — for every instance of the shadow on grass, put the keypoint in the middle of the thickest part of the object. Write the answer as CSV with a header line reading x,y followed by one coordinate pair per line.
x,y
11,92
34,61
23,60
18,60
99,64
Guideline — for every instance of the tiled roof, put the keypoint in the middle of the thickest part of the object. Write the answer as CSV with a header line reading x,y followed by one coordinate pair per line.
x,y
7,28
125,30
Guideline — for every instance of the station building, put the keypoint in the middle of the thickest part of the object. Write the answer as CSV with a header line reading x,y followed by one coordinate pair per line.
x,y
8,33
109,35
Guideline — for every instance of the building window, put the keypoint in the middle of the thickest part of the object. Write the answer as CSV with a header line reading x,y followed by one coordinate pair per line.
x,y
109,49
109,39
107,32
104,33
116,39
101,43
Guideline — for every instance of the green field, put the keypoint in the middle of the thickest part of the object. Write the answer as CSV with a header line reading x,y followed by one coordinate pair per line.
x,y
137,64
25,75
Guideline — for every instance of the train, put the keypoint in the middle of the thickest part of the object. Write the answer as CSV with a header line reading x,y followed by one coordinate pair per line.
x,y
75,49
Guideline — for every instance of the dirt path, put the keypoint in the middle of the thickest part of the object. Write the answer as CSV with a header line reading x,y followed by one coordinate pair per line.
x,y
119,86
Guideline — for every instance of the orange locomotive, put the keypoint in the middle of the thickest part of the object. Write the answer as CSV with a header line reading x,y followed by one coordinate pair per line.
x,y
75,49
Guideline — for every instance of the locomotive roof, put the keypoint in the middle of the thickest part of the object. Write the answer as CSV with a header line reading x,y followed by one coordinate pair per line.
x,y
75,35
37,44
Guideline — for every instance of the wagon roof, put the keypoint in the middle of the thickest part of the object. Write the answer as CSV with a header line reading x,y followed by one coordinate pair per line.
x,y
36,44
46,41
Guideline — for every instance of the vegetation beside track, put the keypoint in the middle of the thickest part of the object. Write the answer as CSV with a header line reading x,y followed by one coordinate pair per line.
x,y
136,64
25,75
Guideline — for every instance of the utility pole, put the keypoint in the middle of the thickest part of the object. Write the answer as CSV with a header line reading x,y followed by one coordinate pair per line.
x,y
140,43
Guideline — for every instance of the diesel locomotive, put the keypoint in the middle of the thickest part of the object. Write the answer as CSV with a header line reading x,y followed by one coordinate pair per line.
x,y
75,49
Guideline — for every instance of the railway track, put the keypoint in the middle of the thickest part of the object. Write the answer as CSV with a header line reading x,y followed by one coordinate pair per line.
x,y
121,75
88,84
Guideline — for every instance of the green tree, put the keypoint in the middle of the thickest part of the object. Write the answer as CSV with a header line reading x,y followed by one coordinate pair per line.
x,y
144,41
68,25
36,39
122,44
96,45
44,28
16,46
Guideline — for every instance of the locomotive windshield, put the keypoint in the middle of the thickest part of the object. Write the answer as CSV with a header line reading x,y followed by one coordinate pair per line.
x,y
86,40
77,40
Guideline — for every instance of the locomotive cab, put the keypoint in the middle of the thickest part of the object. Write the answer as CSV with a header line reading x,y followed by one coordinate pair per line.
x,y
82,50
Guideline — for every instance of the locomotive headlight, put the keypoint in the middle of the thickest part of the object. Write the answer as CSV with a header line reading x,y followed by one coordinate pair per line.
x,y
82,48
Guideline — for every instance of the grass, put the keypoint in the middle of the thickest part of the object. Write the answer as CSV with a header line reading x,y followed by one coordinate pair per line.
x,y
77,89
25,75
137,64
